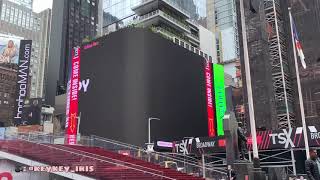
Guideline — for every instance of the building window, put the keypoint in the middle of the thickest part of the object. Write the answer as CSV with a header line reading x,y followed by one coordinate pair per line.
x,y
176,40
3,13
16,12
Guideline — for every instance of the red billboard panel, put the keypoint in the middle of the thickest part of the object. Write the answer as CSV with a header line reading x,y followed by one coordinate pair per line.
x,y
73,97
210,109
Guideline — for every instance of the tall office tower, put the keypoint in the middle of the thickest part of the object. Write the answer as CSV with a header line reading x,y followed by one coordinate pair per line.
x,y
222,20
306,15
17,19
118,14
25,3
182,21
73,21
45,26
227,35
211,26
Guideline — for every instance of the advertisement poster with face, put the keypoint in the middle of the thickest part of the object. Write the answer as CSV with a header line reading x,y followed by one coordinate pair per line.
x,y
9,49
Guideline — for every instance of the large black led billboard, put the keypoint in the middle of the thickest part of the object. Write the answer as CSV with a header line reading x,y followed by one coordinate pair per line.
x,y
133,74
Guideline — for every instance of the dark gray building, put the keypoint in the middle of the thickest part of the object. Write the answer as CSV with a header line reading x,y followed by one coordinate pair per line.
x,y
273,73
263,93
8,81
73,21
306,14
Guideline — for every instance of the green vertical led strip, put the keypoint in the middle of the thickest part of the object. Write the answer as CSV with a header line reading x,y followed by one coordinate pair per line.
x,y
219,96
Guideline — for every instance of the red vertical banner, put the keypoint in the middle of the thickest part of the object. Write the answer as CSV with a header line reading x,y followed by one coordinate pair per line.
x,y
210,109
73,95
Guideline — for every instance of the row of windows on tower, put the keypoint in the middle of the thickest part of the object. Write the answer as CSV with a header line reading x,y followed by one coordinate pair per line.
x,y
4,102
20,17
6,88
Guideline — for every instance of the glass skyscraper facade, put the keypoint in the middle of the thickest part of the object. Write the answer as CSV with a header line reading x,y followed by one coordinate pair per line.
x,y
118,13
25,3
226,23
227,33
19,15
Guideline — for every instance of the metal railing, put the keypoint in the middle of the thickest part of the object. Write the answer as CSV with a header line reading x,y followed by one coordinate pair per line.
x,y
194,36
175,20
173,156
174,4
185,165
31,148
167,16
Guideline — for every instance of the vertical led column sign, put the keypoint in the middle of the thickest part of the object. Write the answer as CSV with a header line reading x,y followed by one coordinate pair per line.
x,y
219,97
209,96
22,77
72,98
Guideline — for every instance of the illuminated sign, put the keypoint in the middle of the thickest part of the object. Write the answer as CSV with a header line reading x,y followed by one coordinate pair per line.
x,y
73,95
164,144
220,96
23,77
91,45
210,110
6,175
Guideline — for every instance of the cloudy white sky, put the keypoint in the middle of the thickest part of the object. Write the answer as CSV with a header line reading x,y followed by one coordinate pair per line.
x,y
39,5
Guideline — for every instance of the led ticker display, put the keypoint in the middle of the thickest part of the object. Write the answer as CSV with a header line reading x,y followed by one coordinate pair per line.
x,y
72,107
219,96
210,108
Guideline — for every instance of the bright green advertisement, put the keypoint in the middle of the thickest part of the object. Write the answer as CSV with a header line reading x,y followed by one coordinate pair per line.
x,y
220,96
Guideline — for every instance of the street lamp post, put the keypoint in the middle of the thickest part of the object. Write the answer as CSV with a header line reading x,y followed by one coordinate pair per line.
x,y
78,125
149,128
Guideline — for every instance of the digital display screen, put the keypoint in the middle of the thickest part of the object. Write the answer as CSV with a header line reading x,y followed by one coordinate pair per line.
x,y
220,96
132,75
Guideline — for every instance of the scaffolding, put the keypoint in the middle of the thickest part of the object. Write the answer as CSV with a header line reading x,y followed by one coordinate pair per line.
x,y
279,62
275,158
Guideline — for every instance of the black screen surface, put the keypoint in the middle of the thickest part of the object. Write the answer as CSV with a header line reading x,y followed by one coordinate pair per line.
x,y
136,74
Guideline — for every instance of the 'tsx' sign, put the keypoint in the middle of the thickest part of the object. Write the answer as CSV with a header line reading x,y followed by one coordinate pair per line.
x,y
283,138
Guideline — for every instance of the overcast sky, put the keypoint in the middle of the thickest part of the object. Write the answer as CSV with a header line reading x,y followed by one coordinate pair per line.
x,y
40,5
